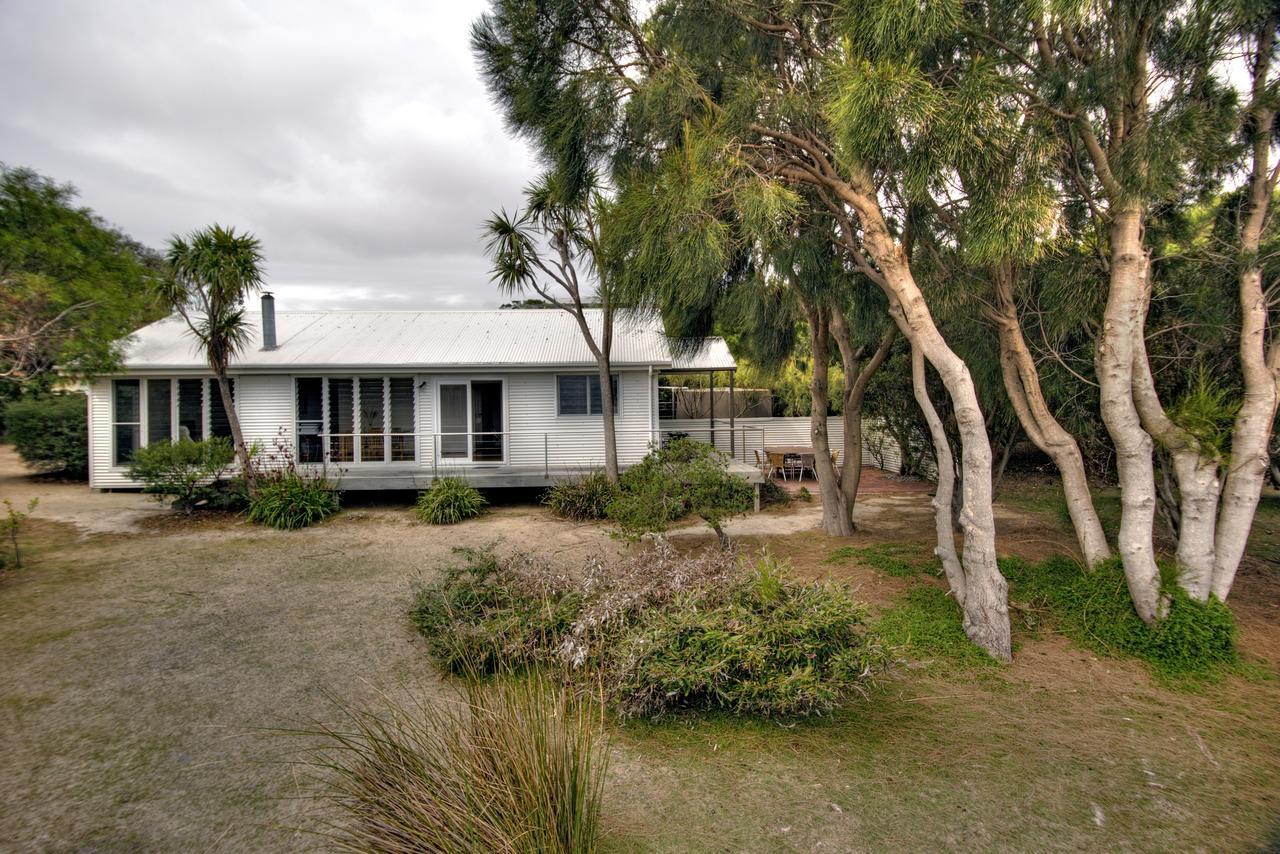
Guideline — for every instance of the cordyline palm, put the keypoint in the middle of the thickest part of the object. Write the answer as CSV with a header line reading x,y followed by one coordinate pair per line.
x,y
567,220
212,272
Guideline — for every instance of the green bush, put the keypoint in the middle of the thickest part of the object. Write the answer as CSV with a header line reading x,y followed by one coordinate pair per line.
x,y
772,493
288,499
657,631
484,615
184,471
582,498
685,477
769,647
927,625
51,434
1094,609
518,766
448,501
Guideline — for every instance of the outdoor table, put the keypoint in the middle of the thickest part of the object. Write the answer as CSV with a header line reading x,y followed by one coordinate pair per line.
x,y
804,454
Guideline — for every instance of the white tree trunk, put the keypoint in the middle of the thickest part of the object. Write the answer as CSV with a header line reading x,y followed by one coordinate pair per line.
x,y
837,513
1114,363
945,530
1022,383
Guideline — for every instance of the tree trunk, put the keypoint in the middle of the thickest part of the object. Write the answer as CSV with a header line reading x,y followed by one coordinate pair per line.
x,y
606,417
237,435
837,512
857,377
1114,364
1022,383
1259,359
986,604
946,548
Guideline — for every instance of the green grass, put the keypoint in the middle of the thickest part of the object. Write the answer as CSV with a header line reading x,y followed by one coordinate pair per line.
x,y
926,625
901,560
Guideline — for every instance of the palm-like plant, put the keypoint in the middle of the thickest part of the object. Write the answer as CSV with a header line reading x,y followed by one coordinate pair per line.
x,y
212,271
569,222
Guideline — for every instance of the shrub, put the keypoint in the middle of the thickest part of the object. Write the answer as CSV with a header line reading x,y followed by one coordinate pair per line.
x,y
448,501
289,499
769,647
485,614
519,767
51,433
182,470
582,498
657,631
683,477
10,526
772,493
1094,609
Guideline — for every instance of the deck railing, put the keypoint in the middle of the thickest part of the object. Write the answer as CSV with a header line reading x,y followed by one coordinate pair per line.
x,y
493,448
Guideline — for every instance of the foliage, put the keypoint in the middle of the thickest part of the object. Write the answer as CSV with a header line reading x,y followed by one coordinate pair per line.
x,y
803,494
657,631
449,501
684,477
11,525
901,560
772,492
289,499
485,615
519,766
582,498
769,646
1195,639
71,286
182,470
927,624
51,433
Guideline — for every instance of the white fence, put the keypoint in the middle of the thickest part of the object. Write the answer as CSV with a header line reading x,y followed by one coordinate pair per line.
x,y
751,434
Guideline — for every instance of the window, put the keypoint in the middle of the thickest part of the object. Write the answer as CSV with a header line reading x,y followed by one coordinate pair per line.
x,y
219,424
126,419
355,420
191,409
159,411
579,394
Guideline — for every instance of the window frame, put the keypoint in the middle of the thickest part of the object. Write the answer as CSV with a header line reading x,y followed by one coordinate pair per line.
x,y
616,382
357,435
175,427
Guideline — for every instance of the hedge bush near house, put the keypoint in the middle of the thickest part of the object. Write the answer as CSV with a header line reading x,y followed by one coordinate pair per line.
x,y
288,499
582,498
51,433
190,473
658,631
449,501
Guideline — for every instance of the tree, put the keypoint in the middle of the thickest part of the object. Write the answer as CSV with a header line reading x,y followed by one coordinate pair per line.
x,y
713,116
212,272
570,225
71,287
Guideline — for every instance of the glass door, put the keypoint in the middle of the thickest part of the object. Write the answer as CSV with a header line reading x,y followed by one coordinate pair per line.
x,y
471,421
487,441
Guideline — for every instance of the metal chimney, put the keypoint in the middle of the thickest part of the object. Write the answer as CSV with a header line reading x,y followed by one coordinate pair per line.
x,y
268,322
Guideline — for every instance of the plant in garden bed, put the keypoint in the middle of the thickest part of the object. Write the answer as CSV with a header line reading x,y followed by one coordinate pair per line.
x,y
287,498
519,766
448,501
186,472
682,478
582,498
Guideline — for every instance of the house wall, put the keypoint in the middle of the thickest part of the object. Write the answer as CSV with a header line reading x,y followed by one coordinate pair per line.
x,y
538,436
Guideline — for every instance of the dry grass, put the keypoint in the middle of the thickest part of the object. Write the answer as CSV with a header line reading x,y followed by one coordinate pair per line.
x,y
140,671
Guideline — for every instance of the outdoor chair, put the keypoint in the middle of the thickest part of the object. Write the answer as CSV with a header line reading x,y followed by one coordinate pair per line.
x,y
808,464
765,464
793,464
778,464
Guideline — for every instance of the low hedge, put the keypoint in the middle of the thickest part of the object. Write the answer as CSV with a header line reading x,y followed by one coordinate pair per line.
x,y
51,433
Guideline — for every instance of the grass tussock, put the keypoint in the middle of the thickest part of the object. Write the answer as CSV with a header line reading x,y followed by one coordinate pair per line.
x,y
582,499
518,767
448,501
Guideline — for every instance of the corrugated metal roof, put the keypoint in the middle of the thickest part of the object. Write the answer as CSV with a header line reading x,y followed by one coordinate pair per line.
x,y
423,339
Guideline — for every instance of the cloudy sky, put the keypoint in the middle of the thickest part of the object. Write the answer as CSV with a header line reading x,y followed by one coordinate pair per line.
x,y
354,138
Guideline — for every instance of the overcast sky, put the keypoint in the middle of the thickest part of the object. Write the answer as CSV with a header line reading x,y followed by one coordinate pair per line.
x,y
355,139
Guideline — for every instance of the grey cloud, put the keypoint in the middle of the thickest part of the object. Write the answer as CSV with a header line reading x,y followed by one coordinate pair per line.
x,y
354,139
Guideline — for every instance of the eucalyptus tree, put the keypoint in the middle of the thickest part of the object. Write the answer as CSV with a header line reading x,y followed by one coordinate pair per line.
x,y
567,217
713,114
212,272
1144,110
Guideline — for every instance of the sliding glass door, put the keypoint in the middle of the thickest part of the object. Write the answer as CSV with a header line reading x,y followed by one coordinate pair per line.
x,y
472,421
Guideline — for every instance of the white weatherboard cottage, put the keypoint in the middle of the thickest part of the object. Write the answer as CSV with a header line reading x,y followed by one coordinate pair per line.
x,y
394,399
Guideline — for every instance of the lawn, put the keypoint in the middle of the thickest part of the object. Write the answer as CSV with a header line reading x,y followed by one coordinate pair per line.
x,y
148,671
